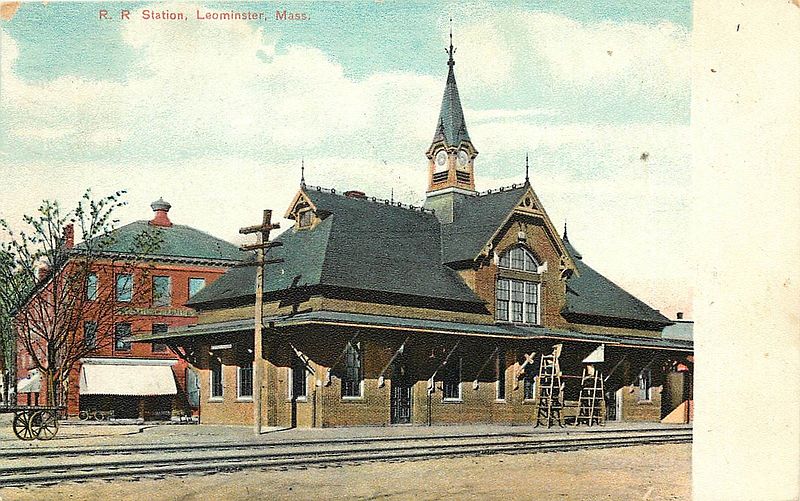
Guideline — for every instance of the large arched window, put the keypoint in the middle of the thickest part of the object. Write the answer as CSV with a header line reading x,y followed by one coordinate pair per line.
x,y
518,294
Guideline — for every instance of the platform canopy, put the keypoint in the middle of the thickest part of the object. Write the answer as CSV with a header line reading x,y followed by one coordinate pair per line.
x,y
127,377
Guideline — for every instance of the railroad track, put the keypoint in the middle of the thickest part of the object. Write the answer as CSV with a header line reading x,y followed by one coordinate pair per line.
x,y
135,463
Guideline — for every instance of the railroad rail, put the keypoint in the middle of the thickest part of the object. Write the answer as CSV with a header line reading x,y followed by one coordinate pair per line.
x,y
136,463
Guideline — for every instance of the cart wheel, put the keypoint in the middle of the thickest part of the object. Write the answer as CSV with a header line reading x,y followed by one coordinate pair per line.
x,y
23,427
48,424
100,416
83,415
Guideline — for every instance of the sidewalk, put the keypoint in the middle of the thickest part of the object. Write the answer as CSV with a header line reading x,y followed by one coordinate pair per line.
x,y
128,434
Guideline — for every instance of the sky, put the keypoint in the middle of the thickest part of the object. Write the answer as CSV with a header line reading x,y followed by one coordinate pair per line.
x,y
216,116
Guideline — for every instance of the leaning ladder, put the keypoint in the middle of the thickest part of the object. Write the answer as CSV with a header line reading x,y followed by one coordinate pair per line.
x,y
550,389
590,403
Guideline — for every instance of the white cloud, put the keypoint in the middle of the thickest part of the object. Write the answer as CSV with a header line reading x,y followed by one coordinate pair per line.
x,y
626,56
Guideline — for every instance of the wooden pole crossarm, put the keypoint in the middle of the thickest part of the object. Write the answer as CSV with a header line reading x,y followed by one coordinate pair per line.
x,y
381,379
257,262
431,381
259,228
336,362
265,245
475,382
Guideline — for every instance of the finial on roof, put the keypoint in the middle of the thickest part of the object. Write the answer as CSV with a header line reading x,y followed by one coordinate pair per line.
x,y
527,179
302,172
392,199
565,231
451,62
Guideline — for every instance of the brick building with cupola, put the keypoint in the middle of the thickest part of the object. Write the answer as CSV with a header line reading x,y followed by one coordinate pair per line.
x,y
469,309
142,380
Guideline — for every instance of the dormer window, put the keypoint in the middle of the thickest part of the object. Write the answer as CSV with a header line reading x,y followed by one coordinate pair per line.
x,y
305,219
518,295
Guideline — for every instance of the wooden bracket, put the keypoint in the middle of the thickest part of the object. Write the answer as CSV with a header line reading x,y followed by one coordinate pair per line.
x,y
329,371
432,380
475,382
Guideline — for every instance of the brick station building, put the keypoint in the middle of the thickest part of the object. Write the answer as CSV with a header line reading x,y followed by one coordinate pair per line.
x,y
381,313
142,380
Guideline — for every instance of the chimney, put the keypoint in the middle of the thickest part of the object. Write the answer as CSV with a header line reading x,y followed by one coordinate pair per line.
x,y
160,207
679,315
355,194
69,236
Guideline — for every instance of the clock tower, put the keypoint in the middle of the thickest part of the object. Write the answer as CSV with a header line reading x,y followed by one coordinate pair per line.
x,y
451,155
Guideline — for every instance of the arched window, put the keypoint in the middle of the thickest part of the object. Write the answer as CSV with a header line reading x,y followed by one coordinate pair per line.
x,y
518,298
518,258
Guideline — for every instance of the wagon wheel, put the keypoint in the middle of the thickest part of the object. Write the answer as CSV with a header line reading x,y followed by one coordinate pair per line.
x,y
48,424
23,427
83,415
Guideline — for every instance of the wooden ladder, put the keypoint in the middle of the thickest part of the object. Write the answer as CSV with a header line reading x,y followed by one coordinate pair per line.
x,y
590,403
550,390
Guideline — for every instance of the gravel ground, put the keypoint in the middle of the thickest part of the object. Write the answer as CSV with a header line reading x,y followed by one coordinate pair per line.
x,y
654,472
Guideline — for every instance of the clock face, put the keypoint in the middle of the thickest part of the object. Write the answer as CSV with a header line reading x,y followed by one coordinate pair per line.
x,y
441,161
463,158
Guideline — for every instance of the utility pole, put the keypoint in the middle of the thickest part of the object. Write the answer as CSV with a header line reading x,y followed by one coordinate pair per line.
x,y
261,247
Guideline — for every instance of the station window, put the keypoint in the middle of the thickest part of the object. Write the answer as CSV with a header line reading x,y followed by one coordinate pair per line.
x,y
159,329
216,377
195,285
354,372
451,383
645,385
244,382
124,287
90,334
91,286
500,375
122,331
529,384
162,291
298,386
518,300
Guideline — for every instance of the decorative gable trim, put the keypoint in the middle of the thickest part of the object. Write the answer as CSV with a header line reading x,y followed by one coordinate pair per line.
x,y
529,205
300,202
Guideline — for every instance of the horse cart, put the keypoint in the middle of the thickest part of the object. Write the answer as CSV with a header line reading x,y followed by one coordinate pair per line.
x,y
33,421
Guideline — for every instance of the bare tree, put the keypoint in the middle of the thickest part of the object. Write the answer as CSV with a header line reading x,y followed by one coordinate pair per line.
x,y
65,300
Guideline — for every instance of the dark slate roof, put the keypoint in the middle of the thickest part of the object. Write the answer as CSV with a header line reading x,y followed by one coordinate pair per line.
x,y
177,242
444,327
592,294
360,244
476,219
451,127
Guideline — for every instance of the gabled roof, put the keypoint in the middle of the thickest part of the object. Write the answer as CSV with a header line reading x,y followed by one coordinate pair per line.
x,y
590,294
177,242
475,221
451,126
360,244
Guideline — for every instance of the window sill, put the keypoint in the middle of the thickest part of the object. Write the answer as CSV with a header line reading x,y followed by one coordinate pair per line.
x,y
644,402
244,399
305,399
216,399
453,400
353,399
499,401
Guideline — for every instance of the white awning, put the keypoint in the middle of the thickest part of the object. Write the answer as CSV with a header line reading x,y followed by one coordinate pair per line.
x,y
31,384
126,379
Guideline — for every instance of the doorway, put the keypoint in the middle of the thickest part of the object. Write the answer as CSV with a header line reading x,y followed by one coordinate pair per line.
x,y
401,389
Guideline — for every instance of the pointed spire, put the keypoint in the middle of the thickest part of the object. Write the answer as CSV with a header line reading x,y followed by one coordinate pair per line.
x,y
527,179
451,62
392,199
565,238
302,172
451,127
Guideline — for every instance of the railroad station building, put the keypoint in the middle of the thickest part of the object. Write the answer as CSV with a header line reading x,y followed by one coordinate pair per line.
x,y
136,380
469,309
